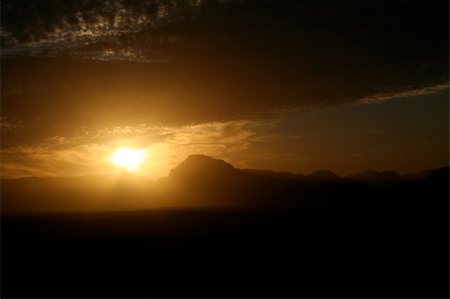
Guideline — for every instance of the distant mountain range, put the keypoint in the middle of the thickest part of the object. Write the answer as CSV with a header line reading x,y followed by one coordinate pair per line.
x,y
198,181
196,164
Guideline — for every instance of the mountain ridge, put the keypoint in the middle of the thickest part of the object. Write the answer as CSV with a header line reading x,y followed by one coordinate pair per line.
x,y
199,181
199,163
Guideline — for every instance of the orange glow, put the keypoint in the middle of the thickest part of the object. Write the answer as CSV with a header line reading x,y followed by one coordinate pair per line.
x,y
127,158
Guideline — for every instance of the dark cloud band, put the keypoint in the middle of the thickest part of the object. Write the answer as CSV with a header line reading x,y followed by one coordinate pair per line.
x,y
125,62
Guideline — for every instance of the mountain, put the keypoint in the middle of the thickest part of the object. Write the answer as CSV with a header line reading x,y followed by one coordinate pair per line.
x,y
203,166
283,175
200,181
324,175
386,176
416,176
371,176
440,175
363,175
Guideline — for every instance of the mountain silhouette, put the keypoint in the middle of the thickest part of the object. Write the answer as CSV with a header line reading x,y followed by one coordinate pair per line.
x,y
324,175
198,181
274,174
416,176
440,175
386,176
202,166
370,176
363,175
238,230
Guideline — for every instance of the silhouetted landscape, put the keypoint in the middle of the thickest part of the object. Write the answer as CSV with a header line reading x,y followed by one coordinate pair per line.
x,y
222,231
222,148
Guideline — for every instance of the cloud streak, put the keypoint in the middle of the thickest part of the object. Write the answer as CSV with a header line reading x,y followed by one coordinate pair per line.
x,y
414,92
80,26
80,79
254,57
88,152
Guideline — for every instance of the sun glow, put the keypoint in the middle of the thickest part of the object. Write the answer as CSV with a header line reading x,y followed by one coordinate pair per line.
x,y
127,158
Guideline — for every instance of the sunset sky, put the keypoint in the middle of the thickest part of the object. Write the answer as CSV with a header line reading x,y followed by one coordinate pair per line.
x,y
292,86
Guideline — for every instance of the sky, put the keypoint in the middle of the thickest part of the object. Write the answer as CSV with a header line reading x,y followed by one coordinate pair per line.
x,y
292,86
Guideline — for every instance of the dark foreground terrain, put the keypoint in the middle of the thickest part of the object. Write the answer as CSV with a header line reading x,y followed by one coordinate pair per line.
x,y
225,253
326,239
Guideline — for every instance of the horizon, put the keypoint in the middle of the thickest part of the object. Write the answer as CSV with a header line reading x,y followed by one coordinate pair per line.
x,y
291,86
224,149
132,173
199,182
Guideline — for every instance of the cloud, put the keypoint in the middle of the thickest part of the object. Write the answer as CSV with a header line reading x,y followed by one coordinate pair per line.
x,y
88,151
376,98
179,77
221,60
76,26
7,125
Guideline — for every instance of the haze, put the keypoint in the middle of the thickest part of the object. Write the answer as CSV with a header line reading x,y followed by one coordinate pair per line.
x,y
292,86
229,149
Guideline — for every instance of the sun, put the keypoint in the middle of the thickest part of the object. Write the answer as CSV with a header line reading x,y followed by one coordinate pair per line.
x,y
128,158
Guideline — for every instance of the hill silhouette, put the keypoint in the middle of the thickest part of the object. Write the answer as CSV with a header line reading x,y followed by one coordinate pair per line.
x,y
364,175
198,181
201,165
324,175
377,177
